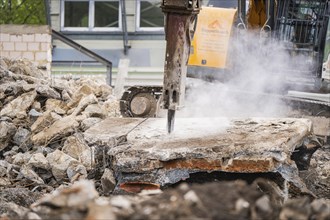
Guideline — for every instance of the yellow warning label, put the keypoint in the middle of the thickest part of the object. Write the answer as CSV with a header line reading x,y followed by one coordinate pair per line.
x,y
211,39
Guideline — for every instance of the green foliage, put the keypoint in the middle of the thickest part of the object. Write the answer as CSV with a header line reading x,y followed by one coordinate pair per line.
x,y
22,12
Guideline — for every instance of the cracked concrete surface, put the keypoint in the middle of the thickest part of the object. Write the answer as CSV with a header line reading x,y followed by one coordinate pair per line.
x,y
150,155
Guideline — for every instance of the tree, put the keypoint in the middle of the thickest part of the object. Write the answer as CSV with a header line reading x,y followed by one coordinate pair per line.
x,y
22,12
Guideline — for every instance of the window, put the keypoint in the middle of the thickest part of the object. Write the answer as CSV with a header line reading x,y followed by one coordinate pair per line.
x,y
90,15
149,16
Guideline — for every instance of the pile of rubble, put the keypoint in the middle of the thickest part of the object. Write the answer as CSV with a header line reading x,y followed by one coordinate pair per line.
x,y
62,154
218,200
41,125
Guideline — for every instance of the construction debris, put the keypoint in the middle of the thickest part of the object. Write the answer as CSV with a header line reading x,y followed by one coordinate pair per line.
x,y
242,201
150,158
41,121
65,154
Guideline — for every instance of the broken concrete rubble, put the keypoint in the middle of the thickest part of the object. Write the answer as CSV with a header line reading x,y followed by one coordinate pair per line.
x,y
56,105
47,91
83,103
78,195
21,136
243,201
89,122
7,130
108,181
246,146
38,160
59,163
26,90
76,172
131,159
18,107
94,110
81,92
76,147
44,120
58,129
21,158
29,174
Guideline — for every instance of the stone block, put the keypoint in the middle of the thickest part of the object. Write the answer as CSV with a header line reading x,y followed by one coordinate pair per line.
x,y
4,53
28,37
45,46
9,46
15,54
33,46
15,38
20,46
42,38
40,56
49,55
28,55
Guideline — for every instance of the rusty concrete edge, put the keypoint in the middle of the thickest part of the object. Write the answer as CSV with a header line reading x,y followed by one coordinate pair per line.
x,y
238,164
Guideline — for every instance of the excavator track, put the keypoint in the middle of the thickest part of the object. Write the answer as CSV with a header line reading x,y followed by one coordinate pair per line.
x,y
140,101
143,101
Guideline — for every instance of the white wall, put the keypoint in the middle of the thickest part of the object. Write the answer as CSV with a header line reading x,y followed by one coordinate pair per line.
x,y
30,42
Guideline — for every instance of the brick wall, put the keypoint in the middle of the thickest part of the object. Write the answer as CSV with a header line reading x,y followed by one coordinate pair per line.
x,y
30,42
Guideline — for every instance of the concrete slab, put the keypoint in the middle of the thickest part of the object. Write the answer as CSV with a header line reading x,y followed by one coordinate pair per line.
x,y
150,155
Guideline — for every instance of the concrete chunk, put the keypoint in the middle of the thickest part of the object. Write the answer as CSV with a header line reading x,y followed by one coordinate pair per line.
x,y
201,145
21,136
19,106
94,110
44,121
79,195
76,172
76,147
89,122
58,129
7,130
29,174
59,163
48,92
56,105
81,92
84,102
39,160
108,181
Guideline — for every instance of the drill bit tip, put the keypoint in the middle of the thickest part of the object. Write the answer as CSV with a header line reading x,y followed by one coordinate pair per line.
x,y
170,120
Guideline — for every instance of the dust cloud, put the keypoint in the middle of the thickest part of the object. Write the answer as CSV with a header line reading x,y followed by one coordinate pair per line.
x,y
257,67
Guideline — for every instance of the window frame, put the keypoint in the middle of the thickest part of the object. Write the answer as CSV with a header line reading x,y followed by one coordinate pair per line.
x,y
91,17
137,21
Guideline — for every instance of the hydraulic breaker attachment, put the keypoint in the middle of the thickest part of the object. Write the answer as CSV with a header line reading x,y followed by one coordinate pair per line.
x,y
180,20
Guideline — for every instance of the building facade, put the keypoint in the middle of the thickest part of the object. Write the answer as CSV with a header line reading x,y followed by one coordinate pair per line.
x,y
114,29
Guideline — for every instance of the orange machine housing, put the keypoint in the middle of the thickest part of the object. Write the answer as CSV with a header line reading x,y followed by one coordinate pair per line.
x,y
211,39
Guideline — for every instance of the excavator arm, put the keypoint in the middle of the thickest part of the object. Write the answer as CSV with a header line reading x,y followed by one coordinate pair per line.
x,y
180,20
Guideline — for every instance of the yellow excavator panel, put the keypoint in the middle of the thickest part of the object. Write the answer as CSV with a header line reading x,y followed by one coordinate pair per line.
x,y
211,39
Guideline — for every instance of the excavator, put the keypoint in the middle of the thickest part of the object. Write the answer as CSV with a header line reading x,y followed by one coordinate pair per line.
x,y
200,45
